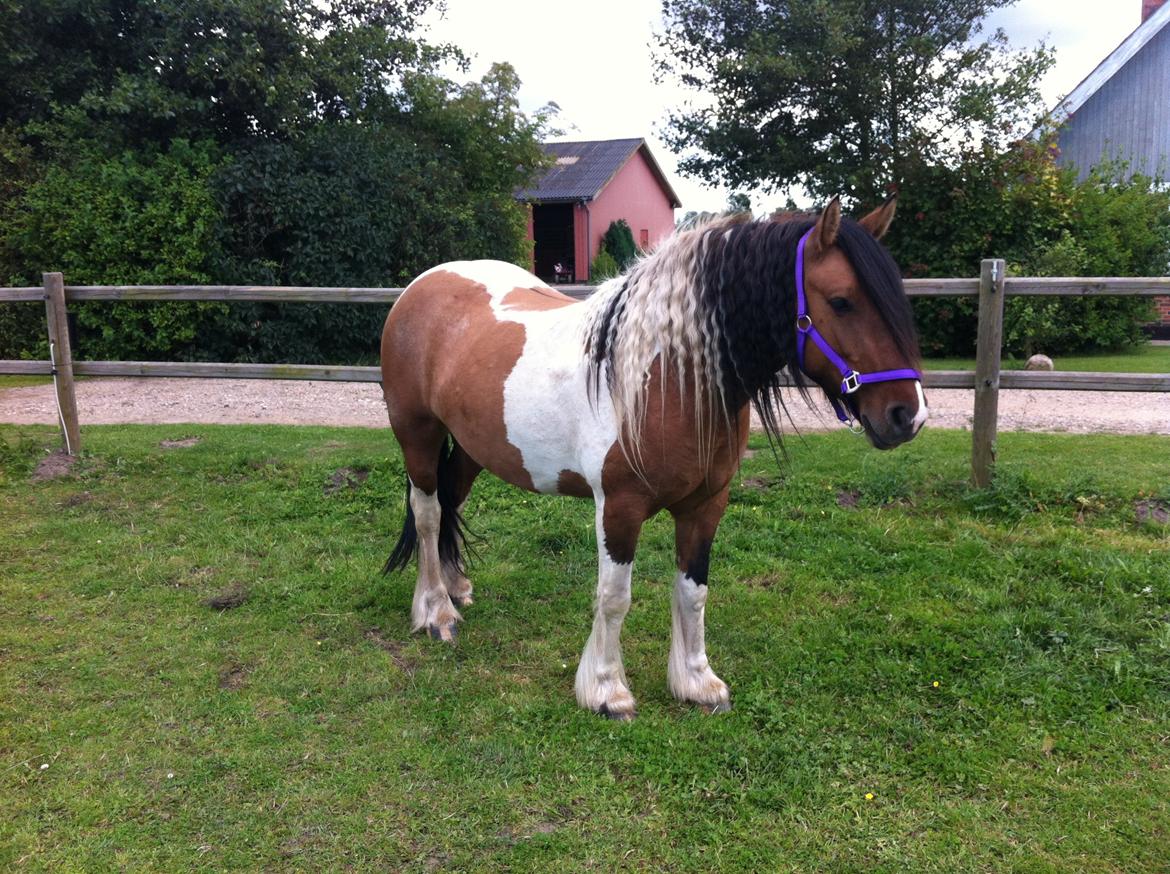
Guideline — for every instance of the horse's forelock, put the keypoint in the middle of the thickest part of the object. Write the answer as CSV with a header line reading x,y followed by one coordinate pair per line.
x,y
879,275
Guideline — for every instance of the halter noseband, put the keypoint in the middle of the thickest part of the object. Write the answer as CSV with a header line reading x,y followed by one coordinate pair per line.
x,y
851,380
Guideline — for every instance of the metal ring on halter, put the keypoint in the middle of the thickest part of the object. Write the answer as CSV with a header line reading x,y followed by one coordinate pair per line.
x,y
855,426
807,323
851,382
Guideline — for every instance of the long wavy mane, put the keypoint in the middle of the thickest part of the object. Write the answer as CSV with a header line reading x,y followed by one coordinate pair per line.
x,y
716,306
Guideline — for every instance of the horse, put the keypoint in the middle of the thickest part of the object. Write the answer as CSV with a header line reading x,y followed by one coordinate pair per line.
x,y
638,397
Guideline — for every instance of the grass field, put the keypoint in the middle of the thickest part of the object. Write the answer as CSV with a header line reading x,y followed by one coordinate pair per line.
x,y
7,381
1143,359
925,677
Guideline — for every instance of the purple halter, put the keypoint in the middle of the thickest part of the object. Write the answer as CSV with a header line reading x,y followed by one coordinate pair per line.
x,y
851,380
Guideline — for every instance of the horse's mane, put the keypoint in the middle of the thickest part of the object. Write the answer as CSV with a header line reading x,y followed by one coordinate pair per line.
x,y
716,305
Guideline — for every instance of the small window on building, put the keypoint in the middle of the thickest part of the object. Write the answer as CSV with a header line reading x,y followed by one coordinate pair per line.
x,y
644,238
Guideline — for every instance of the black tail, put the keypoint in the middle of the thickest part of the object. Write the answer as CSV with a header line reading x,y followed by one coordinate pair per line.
x,y
452,531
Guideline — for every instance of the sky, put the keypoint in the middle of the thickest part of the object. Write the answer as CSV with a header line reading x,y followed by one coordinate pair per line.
x,y
594,61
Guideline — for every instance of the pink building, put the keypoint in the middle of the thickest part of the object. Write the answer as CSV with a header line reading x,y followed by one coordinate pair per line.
x,y
591,185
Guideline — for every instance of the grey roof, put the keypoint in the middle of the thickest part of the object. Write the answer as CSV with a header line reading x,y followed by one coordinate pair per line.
x,y
1105,70
584,168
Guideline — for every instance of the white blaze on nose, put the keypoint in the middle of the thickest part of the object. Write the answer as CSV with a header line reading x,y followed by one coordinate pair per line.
x,y
923,413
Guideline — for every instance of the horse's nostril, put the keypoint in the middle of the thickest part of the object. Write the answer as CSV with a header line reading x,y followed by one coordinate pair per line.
x,y
900,416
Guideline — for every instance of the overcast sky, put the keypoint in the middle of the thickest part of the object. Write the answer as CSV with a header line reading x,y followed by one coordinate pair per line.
x,y
593,60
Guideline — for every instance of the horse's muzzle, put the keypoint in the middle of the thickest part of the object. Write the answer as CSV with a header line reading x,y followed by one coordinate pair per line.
x,y
900,421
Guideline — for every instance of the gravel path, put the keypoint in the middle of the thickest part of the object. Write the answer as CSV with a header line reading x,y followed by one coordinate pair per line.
x,y
291,402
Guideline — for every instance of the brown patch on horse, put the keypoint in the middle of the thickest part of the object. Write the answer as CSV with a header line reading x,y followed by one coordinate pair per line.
x,y
536,298
424,385
569,482
672,474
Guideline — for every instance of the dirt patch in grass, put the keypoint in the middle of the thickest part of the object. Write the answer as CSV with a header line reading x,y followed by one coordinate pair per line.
x,y
393,648
77,500
230,598
191,577
181,443
1152,511
759,483
233,676
765,581
346,478
847,499
54,466
838,599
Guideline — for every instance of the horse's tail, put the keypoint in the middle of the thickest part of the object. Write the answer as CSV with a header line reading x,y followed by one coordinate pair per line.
x,y
452,532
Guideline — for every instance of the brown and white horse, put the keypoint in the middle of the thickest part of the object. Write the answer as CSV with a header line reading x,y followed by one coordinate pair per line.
x,y
639,398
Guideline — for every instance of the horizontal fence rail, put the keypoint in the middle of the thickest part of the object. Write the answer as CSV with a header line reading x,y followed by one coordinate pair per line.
x,y
1158,286
990,288
959,379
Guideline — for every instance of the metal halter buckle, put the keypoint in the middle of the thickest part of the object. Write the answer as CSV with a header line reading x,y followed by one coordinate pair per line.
x,y
851,382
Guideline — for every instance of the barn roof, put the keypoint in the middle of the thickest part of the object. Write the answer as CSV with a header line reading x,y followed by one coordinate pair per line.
x,y
1117,59
584,168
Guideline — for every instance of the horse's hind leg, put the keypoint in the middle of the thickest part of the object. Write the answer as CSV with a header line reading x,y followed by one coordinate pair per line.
x,y
689,675
464,471
424,452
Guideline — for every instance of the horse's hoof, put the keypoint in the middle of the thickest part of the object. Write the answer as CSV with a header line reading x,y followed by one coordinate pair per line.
x,y
617,715
446,633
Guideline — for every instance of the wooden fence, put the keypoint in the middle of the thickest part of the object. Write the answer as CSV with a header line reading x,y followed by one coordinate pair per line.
x,y
990,288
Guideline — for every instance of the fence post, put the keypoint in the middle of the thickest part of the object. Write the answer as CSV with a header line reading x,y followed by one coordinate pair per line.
x,y
62,357
987,353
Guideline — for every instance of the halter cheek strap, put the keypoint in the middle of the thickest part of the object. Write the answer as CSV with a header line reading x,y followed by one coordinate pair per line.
x,y
851,380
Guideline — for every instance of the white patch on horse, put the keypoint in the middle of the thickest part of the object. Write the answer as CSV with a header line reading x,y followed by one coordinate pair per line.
x,y
923,413
601,683
431,608
547,413
688,673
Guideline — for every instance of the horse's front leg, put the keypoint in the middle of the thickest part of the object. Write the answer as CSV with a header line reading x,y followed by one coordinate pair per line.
x,y
689,675
601,678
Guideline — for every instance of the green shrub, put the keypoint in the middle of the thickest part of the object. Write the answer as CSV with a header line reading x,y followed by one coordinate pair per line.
x,y
619,242
1022,207
346,205
127,219
603,267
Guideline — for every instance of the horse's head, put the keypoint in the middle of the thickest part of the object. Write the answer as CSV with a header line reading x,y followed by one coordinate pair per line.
x,y
857,318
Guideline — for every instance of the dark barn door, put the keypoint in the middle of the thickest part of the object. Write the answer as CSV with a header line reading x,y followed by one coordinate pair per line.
x,y
552,232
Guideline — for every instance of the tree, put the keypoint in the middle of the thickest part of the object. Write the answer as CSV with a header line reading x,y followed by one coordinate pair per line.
x,y
836,96
136,71
739,202
1018,204
274,141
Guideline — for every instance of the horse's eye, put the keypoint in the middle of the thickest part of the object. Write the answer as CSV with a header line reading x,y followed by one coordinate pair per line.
x,y
840,305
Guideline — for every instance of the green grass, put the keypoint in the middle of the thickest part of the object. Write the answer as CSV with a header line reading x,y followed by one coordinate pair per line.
x,y
1143,359
307,730
21,381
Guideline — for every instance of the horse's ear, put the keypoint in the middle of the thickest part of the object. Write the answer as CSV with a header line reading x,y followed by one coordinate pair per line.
x,y
824,233
878,221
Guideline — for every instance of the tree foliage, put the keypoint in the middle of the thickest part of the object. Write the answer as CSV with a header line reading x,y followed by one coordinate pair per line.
x,y
837,96
267,141
134,218
1021,206
228,69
